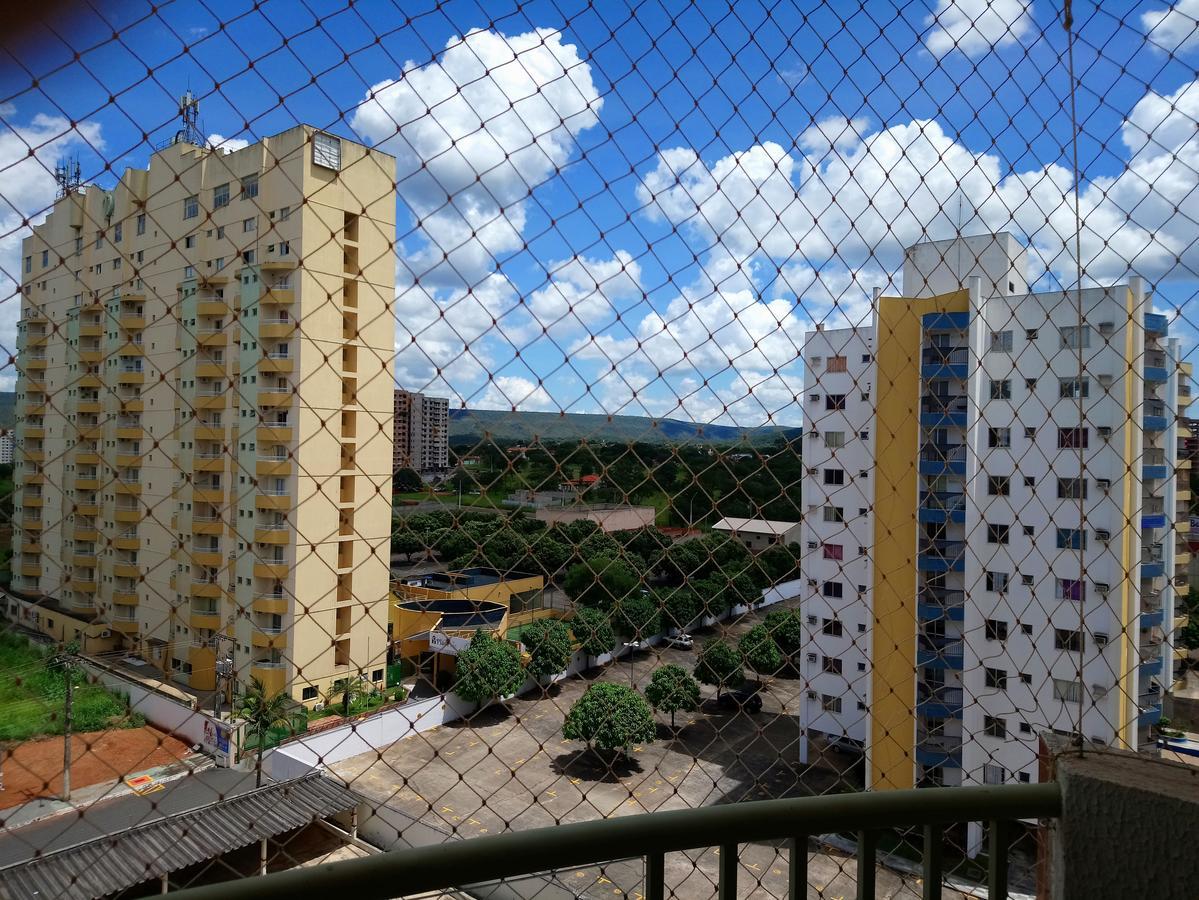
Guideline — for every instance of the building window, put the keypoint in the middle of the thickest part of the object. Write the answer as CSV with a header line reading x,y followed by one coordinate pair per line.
x,y
250,224
28,264
1071,589
1075,337
829,703
834,476
1001,389
996,678
247,257
837,364
1066,691
998,534
1073,438
997,581
78,246
834,402
309,693
191,207
326,151
118,232
1071,539
1072,489
834,551
832,627
833,589
999,485
832,665
999,437
249,187
996,630
1073,388
1001,342
1065,639
220,195
995,727
834,439
284,213
993,774
189,242
45,258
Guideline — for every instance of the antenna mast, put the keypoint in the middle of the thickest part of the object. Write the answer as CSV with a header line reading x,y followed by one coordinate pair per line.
x,y
68,176
189,113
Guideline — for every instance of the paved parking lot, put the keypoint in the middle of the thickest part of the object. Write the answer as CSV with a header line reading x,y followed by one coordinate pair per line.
x,y
510,768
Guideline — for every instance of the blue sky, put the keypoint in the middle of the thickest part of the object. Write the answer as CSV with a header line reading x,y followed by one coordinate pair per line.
x,y
686,189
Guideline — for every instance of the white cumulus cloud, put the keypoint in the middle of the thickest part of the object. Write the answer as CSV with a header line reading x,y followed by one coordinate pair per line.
x,y
1174,29
976,26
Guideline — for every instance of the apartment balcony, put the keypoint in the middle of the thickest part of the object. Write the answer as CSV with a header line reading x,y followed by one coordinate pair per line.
x,y
1152,618
269,639
274,571
273,465
87,509
30,570
938,750
131,376
273,675
91,329
941,556
275,399
944,362
270,604
90,380
208,462
1149,716
33,363
1152,568
1182,559
33,433
943,459
212,337
1157,325
33,502
273,534
210,400
89,407
204,618
278,264
207,525
1155,417
207,557
130,348
277,364
1182,588
267,500
201,587
209,369
276,327
212,306
279,434
131,488
206,432
128,514
122,624
202,493
83,585
126,570
1183,525
941,603
1155,367
87,484
31,523
939,653
947,412
278,296
31,547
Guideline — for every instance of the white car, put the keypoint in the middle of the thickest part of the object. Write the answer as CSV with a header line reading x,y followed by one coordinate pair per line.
x,y
681,641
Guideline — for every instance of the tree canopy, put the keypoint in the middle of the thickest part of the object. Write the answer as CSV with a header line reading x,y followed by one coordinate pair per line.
x,y
487,669
593,631
610,716
549,646
720,666
760,651
672,689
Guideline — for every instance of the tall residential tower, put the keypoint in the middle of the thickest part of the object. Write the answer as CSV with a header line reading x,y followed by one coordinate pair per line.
x,y
204,399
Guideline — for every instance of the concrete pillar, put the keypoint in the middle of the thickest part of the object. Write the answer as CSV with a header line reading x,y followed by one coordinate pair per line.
x,y
1129,825
974,839
262,857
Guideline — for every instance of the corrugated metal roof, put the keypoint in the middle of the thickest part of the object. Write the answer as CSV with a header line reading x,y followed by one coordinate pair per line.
x,y
126,858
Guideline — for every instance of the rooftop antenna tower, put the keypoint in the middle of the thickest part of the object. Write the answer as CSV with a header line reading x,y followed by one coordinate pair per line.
x,y
68,176
189,113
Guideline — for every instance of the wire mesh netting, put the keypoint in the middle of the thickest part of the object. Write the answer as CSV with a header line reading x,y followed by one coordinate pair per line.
x,y
485,417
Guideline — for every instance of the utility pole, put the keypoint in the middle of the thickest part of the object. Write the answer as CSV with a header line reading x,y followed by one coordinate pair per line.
x,y
224,673
66,660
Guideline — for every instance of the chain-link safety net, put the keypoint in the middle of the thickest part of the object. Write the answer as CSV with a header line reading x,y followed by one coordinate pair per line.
x,y
440,419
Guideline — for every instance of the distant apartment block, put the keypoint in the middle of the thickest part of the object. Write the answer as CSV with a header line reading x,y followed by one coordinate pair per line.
x,y
6,447
204,438
990,519
422,432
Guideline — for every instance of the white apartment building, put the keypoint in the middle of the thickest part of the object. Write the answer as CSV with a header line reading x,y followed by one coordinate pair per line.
x,y
1014,478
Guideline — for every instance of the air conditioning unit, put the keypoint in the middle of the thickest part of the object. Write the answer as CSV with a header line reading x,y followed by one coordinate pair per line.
x,y
811,582
1107,327
811,470
1104,484
811,620
1100,640
1103,589
811,695
1099,690
811,545
1104,432
1103,535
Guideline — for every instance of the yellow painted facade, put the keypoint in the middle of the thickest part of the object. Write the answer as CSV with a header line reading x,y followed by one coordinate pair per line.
x,y
896,492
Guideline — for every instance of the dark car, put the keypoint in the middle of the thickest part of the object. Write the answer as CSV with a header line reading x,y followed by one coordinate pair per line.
x,y
744,700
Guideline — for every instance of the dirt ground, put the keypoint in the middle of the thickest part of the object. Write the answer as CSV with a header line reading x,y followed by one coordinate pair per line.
x,y
34,769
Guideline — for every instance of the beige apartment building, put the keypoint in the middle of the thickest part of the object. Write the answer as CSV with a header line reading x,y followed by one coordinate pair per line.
x,y
422,432
205,410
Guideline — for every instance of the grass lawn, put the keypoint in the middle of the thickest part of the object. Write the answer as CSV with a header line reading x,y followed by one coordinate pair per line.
x,y
32,697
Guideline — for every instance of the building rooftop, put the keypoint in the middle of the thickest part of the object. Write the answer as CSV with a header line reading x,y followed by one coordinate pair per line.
x,y
754,526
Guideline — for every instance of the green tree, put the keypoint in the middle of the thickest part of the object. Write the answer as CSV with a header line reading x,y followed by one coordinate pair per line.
x,y
610,716
262,712
407,542
548,643
778,564
548,555
407,481
720,666
599,582
593,631
680,607
487,669
672,689
786,627
760,652
637,616
344,691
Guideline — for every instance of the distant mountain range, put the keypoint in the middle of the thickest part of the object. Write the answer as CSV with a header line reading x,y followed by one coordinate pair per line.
x,y
471,425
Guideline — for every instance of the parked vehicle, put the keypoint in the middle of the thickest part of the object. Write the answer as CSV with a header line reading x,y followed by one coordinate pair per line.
x,y
743,700
680,641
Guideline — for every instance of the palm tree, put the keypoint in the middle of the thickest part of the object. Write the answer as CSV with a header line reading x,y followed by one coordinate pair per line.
x,y
262,712
346,690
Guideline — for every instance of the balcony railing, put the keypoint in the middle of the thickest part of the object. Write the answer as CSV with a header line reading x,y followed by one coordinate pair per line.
x,y
649,837
949,453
